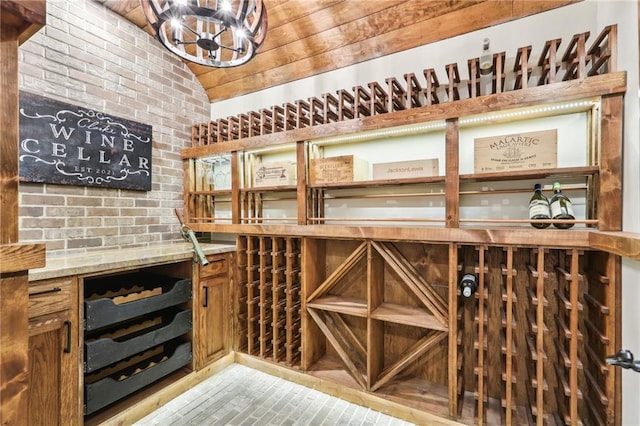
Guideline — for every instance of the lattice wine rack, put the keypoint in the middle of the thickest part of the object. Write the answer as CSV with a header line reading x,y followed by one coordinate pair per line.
x,y
545,317
268,298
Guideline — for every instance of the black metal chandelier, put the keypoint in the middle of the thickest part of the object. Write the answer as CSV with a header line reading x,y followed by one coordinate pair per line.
x,y
214,33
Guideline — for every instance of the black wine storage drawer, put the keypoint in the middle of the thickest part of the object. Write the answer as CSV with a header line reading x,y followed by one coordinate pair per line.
x,y
112,300
104,388
113,345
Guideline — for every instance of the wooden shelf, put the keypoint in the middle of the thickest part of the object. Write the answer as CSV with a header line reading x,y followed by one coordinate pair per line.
x,y
530,174
341,305
215,192
279,188
380,183
407,315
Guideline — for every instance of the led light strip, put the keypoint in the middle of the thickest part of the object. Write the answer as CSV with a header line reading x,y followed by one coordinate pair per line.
x,y
384,133
581,105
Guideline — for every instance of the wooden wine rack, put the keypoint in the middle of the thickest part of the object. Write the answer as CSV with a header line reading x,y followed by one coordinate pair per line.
x,y
268,298
392,95
529,348
540,305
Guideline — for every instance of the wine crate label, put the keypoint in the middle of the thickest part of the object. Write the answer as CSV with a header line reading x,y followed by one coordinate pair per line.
x,y
519,151
341,169
274,174
405,169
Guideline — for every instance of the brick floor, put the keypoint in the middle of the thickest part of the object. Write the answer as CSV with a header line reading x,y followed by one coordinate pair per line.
x,y
242,396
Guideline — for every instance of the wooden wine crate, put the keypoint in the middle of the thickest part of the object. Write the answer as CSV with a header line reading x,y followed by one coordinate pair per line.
x,y
520,151
405,169
274,174
341,169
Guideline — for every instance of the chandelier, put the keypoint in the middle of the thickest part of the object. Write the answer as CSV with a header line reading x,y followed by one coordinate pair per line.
x,y
214,33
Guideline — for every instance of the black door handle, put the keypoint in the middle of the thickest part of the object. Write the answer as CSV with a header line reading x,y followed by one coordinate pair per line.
x,y
67,348
40,293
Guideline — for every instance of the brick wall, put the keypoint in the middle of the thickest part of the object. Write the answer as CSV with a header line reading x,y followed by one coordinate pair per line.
x,y
91,57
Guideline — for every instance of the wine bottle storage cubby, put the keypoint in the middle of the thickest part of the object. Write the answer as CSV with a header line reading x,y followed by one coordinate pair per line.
x,y
137,328
376,317
269,292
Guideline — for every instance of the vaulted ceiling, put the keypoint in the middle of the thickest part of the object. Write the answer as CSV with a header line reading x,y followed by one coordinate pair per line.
x,y
309,37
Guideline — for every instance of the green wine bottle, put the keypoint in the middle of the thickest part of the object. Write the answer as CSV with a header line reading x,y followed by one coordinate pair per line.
x,y
561,207
539,207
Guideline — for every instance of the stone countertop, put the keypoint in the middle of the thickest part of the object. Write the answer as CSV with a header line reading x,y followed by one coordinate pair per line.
x,y
112,259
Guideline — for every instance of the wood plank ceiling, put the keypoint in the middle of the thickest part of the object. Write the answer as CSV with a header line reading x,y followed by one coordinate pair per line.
x,y
309,37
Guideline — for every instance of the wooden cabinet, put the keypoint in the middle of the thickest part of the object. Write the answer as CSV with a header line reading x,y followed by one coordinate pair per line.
x,y
54,363
212,311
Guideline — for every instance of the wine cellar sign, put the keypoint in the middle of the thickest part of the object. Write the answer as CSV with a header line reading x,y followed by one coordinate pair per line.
x,y
65,144
519,151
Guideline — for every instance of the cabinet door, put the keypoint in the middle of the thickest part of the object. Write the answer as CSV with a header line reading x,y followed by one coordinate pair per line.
x,y
52,365
212,313
53,354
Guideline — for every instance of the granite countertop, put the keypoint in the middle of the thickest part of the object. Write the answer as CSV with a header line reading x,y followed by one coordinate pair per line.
x,y
61,265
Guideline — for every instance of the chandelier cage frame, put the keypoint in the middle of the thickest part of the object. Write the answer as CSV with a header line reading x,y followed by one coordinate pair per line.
x,y
212,33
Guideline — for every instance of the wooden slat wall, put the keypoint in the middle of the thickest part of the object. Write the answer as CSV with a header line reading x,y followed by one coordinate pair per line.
x,y
306,38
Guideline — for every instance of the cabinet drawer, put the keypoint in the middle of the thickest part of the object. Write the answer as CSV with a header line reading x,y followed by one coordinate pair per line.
x,y
102,391
118,344
216,266
119,299
50,296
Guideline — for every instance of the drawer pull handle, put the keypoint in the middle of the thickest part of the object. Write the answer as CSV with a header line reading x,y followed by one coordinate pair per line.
x,y
67,348
206,297
40,293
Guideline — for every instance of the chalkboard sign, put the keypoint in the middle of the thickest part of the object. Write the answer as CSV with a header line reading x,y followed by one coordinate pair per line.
x,y
65,144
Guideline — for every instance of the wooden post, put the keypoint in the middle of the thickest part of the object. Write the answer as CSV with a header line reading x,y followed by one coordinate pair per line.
x,y
452,181
17,23
610,188
13,287
235,188
453,330
301,187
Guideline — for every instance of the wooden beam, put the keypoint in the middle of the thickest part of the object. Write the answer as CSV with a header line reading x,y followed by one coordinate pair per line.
x,y
9,136
504,236
625,244
26,16
21,257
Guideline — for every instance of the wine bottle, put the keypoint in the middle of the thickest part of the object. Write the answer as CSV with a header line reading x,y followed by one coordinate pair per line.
x,y
561,208
468,285
539,207
486,69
